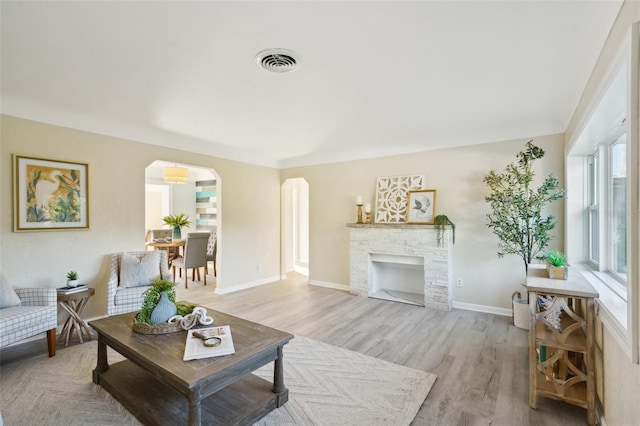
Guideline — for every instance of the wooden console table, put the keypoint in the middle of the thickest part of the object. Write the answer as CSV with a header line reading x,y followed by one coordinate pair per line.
x,y
561,361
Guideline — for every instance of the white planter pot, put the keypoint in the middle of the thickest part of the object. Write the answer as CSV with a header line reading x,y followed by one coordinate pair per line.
x,y
521,311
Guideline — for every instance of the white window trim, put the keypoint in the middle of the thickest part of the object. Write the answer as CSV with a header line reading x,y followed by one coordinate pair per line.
x,y
620,318
611,307
633,192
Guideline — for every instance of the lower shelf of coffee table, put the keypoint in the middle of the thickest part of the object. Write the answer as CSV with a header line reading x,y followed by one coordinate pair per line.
x,y
156,403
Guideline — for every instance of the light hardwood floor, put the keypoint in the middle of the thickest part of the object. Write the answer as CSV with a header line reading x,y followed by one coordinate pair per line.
x,y
481,359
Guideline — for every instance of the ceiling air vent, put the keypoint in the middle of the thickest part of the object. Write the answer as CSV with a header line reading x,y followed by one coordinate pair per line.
x,y
278,60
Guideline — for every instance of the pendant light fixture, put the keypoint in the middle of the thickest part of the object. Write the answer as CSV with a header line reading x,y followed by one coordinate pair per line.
x,y
175,174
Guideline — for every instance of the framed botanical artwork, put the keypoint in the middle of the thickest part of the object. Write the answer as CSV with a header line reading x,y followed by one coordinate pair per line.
x,y
391,197
421,206
50,195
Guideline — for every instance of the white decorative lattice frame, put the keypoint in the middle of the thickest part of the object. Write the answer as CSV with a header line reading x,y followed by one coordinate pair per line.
x,y
391,197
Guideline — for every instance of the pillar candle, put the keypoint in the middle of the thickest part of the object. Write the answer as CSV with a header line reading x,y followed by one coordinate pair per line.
x,y
359,199
367,208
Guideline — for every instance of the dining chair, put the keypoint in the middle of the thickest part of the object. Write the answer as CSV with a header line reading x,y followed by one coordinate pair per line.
x,y
212,251
195,257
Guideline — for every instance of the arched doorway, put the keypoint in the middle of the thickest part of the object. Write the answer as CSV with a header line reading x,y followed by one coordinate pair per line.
x,y
199,198
295,226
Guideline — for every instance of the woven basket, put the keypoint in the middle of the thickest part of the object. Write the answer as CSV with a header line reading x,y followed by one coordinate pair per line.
x,y
521,311
161,328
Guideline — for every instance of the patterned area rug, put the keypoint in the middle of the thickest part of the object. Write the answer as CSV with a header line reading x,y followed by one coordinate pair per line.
x,y
327,386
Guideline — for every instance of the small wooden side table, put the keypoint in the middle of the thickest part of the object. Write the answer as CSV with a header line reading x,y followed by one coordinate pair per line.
x,y
561,361
74,304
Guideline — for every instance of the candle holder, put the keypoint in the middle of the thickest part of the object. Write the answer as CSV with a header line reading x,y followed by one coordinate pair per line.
x,y
367,217
359,213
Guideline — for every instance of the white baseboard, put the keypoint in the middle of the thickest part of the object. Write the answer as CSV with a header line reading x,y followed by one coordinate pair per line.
x,y
483,308
459,305
245,286
326,284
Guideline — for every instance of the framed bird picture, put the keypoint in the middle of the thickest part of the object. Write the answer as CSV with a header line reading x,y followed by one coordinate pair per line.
x,y
421,206
50,195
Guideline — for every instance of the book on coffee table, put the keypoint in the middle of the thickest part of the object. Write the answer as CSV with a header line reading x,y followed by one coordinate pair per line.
x,y
69,290
208,342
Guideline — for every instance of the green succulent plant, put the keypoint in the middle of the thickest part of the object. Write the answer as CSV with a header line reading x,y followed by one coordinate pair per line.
x,y
72,275
557,258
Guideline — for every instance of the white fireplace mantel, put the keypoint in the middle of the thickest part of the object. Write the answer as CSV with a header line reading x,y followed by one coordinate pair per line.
x,y
403,240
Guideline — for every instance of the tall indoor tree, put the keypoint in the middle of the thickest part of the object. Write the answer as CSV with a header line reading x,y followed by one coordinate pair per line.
x,y
516,206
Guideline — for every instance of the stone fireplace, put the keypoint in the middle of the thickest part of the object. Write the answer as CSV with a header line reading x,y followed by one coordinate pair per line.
x,y
401,262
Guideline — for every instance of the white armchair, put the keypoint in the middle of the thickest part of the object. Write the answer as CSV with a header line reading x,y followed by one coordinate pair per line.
x,y
122,298
37,313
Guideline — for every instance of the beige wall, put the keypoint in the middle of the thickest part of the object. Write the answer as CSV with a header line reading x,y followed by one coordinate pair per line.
x,y
249,236
457,176
621,376
621,385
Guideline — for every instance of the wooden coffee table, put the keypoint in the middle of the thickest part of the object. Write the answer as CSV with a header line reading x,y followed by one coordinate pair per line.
x,y
158,387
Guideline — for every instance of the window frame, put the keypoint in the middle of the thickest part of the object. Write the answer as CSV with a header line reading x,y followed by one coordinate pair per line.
x,y
600,198
610,239
593,209
621,317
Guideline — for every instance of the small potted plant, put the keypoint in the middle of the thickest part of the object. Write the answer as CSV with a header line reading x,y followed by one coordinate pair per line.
x,y
440,222
72,279
177,222
161,292
557,265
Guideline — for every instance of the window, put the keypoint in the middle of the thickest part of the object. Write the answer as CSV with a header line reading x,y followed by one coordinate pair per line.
x,y
594,225
617,181
606,209
603,186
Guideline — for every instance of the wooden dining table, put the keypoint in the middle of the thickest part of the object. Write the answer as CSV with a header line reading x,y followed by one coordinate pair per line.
x,y
168,245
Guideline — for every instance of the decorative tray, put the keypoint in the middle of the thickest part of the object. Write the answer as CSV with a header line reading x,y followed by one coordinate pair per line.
x,y
162,328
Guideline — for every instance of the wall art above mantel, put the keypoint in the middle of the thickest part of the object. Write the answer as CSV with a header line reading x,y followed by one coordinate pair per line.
x,y
391,197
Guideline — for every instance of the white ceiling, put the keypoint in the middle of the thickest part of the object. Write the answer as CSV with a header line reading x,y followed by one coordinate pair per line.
x,y
377,78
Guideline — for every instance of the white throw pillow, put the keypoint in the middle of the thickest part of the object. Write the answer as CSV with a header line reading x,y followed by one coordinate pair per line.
x,y
136,272
8,296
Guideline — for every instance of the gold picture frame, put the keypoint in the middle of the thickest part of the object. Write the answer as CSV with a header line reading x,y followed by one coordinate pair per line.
x,y
421,206
50,195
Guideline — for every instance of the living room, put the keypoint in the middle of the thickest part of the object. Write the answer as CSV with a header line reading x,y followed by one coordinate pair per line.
x,y
250,216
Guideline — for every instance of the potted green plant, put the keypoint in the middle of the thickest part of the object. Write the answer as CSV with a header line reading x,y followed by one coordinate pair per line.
x,y
557,265
516,216
177,222
72,279
440,221
152,297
